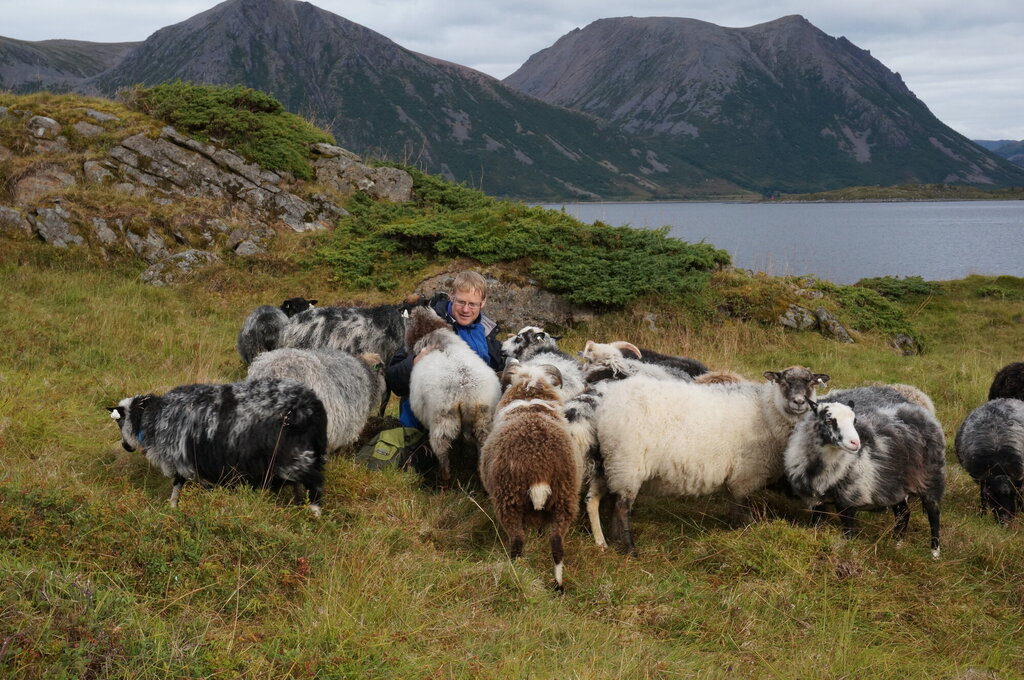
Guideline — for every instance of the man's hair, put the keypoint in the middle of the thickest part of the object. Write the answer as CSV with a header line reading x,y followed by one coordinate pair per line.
x,y
470,281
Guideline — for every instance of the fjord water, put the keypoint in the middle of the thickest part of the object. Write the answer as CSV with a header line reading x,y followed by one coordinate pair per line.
x,y
840,242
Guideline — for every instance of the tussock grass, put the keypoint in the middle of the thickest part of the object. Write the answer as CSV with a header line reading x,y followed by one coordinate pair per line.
x,y
100,578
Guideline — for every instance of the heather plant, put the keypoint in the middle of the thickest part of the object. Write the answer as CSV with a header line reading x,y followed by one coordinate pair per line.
x,y
249,121
588,264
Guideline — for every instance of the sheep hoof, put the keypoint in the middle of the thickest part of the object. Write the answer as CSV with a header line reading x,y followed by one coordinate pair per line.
x,y
935,553
315,509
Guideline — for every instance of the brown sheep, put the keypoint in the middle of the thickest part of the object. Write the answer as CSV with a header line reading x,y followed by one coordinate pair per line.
x,y
528,463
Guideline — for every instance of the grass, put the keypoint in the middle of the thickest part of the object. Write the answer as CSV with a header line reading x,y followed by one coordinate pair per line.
x,y
100,578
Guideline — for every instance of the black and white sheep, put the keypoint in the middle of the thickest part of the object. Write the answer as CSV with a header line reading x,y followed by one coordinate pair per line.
x,y
262,433
868,458
876,396
528,463
351,388
990,446
356,330
1008,382
620,359
533,346
261,329
681,438
452,391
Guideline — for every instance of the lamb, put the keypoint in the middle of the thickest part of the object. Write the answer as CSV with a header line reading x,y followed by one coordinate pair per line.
x,y
869,457
261,330
689,439
532,346
452,391
1008,383
990,446
263,433
351,388
528,464
881,395
609,361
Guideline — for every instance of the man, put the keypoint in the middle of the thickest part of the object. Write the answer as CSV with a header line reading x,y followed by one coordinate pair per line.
x,y
464,311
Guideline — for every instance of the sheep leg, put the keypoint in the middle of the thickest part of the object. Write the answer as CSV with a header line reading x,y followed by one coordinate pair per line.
x,y
846,516
314,483
931,508
176,490
440,442
558,555
516,530
818,515
594,494
623,523
984,499
902,512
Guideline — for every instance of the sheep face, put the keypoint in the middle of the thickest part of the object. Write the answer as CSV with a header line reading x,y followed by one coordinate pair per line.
x,y
531,383
526,342
796,388
835,425
128,416
293,306
1002,495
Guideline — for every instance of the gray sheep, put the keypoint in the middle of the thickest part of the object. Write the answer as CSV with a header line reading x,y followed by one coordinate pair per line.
x,y
990,446
261,329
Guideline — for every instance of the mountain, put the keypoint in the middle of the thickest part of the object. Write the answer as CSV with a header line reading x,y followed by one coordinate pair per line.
x,y
55,65
382,100
779,105
1006,148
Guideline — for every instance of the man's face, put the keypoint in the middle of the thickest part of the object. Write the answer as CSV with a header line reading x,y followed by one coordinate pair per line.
x,y
466,306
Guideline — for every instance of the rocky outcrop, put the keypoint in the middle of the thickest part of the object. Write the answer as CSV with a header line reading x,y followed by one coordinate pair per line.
x,y
515,305
344,172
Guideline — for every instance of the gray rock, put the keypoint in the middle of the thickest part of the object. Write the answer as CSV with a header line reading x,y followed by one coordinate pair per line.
x,y
332,151
125,187
13,223
247,248
798,318
905,344
42,127
346,175
29,189
87,129
54,227
514,306
104,234
99,116
830,326
809,294
150,247
96,173
391,184
177,267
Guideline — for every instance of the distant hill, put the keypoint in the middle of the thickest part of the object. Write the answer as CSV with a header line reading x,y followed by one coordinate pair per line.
x,y
56,65
622,109
383,100
1008,149
778,105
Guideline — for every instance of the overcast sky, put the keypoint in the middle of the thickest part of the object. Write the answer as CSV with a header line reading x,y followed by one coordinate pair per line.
x,y
964,59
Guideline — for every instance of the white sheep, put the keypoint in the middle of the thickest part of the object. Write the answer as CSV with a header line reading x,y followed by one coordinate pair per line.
x,y
869,457
681,438
528,463
533,346
351,388
452,391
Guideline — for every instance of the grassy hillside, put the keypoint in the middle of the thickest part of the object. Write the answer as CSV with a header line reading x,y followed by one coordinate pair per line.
x,y
100,578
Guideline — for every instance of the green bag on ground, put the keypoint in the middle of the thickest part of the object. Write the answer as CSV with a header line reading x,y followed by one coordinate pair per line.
x,y
391,448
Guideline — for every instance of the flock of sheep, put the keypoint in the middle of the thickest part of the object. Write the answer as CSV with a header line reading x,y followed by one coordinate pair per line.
x,y
556,432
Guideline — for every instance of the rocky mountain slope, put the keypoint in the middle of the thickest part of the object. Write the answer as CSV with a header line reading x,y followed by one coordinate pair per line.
x,y
1012,151
56,65
385,101
779,105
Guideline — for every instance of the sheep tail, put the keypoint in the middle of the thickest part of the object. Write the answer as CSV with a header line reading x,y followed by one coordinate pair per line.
x,y
539,494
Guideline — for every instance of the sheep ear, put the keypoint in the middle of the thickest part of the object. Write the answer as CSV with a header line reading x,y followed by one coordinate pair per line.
x,y
312,302
628,346
556,338
116,412
772,376
822,378
851,404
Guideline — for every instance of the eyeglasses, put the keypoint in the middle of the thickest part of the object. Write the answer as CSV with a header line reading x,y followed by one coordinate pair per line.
x,y
466,304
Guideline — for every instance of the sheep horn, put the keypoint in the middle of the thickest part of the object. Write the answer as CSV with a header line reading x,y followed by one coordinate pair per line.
x,y
629,347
